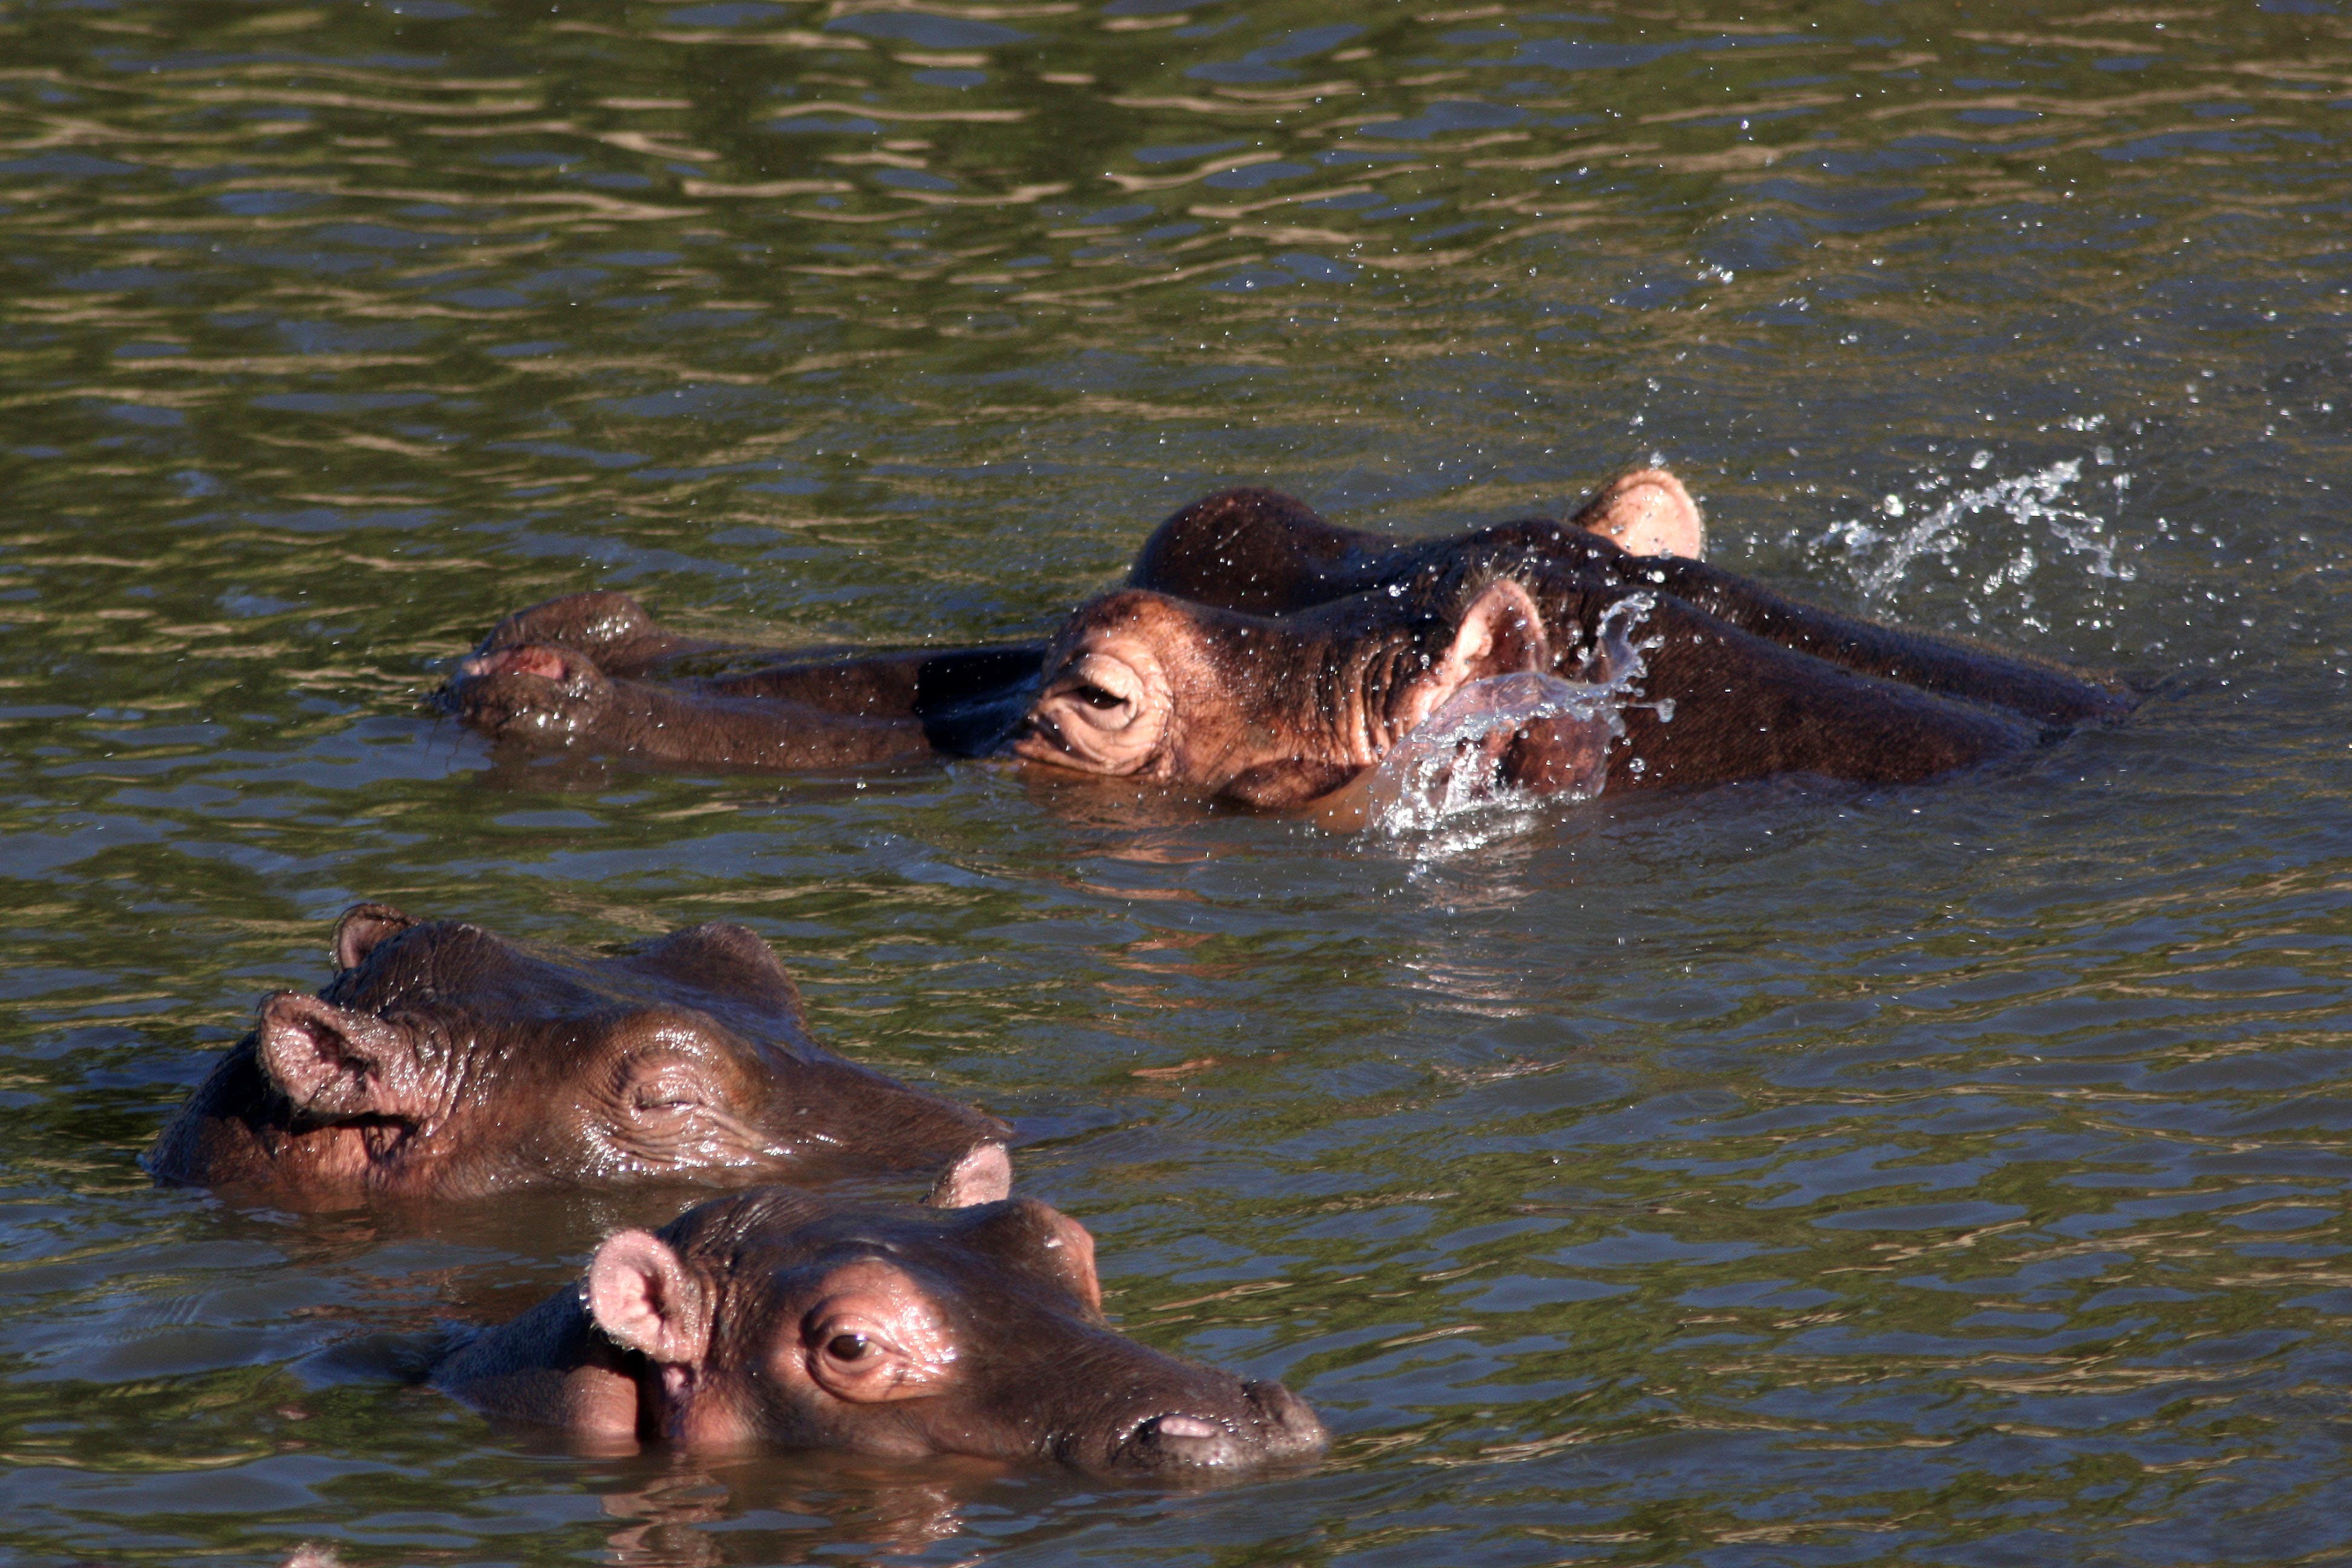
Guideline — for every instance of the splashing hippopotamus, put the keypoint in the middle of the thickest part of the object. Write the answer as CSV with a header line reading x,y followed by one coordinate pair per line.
x,y
1262,654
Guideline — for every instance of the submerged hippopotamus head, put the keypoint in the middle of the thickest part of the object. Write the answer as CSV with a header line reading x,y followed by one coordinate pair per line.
x,y
774,1316
548,695
443,1061
1271,711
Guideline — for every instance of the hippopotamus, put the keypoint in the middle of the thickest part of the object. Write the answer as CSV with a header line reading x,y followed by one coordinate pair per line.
x,y
443,1062
1276,659
1262,654
595,673
776,1316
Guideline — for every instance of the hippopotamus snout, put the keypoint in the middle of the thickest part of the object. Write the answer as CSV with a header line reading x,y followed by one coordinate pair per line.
x,y
1266,1425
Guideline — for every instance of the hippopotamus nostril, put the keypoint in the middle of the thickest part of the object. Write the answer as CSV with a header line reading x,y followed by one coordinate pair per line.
x,y
1182,1443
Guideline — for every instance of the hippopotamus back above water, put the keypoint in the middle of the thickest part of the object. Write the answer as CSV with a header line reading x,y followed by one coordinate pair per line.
x,y
443,1061
774,1316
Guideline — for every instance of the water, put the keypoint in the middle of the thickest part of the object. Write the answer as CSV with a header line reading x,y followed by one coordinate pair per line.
x,y
1450,778
1775,1175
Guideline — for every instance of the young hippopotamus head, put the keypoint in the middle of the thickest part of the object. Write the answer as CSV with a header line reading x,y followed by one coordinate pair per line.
x,y
772,1316
1270,711
443,1062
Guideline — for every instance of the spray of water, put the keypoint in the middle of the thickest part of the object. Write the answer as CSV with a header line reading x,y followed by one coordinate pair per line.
x,y
2031,500
1497,745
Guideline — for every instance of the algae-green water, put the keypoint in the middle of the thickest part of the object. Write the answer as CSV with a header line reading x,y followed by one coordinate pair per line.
x,y
1792,1175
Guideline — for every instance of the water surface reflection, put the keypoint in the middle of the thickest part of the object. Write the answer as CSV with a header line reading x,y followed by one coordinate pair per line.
x,y
1786,1175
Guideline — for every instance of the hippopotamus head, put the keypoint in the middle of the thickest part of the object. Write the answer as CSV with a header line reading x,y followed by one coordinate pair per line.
x,y
537,692
774,1316
445,1061
1271,711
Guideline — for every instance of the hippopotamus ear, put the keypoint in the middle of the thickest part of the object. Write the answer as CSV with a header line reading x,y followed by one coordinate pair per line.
x,y
335,1063
722,956
643,1295
544,660
1045,1239
982,1175
362,928
1501,632
1647,512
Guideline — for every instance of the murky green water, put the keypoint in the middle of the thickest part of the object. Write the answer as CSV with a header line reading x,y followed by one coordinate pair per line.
x,y
1780,1176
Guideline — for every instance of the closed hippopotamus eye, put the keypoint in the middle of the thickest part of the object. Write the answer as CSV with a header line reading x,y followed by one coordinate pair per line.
x,y
668,1090
1106,685
678,1103
1105,709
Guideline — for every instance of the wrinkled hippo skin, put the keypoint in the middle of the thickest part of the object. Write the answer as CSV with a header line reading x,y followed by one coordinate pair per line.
x,y
444,1062
774,1317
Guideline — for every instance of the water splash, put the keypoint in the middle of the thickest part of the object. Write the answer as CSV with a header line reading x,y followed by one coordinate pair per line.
x,y
2031,499
1497,746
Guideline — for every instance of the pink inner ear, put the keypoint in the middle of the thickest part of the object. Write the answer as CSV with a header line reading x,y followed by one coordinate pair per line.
x,y
1650,513
641,1293
983,1176
547,663
328,1061
1502,633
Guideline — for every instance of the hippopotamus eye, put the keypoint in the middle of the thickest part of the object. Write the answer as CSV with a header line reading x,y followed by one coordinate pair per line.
x,y
659,1096
846,1347
1093,695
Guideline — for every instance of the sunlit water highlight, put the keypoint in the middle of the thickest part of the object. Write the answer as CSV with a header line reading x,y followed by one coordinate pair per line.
x,y
1785,1175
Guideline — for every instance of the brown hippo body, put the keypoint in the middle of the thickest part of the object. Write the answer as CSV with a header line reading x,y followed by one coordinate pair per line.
x,y
1272,658
1262,553
569,676
444,1062
1267,553
773,1317
1276,712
